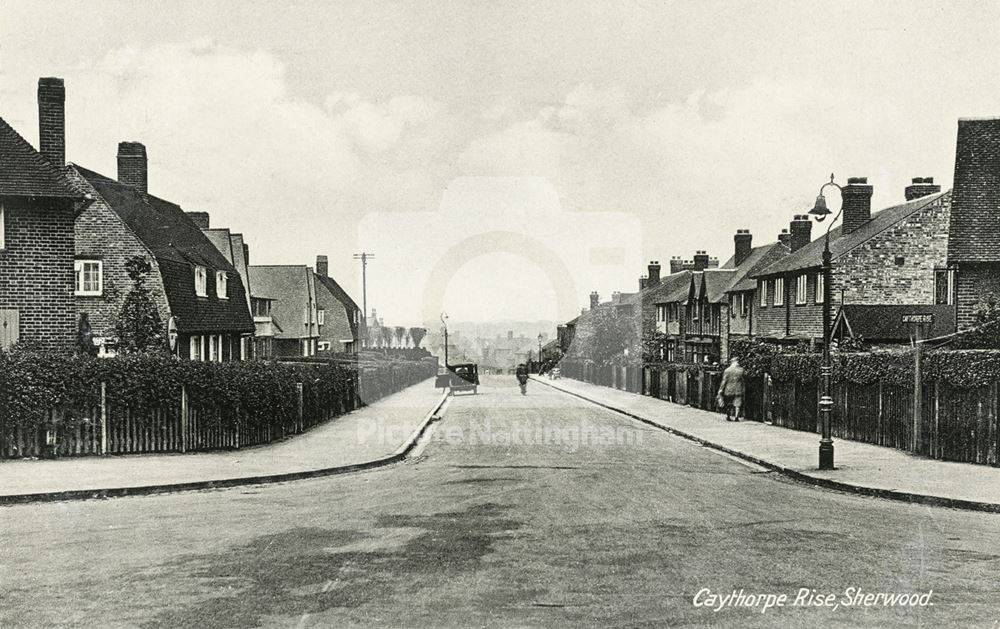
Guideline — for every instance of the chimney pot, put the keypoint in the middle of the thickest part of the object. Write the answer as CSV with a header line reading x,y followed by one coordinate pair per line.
x,y
654,273
743,241
801,232
132,165
701,261
322,266
52,120
857,203
595,299
920,187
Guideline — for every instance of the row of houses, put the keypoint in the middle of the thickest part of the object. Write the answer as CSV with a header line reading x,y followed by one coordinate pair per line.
x,y
933,253
67,234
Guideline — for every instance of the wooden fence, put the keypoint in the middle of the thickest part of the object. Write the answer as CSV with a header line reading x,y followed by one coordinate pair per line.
x,y
115,429
956,424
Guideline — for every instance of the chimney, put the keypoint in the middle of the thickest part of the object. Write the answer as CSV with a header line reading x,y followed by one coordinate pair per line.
x,y
700,260
132,165
322,266
594,300
676,265
52,120
643,282
246,253
654,273
510,335
801,232
616,296
199,218
857,199
921,187
713,263
785,237
742,239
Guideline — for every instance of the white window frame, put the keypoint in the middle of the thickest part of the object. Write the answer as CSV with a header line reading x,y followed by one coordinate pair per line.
x,y
195,348
820,288
79,267
801,289
321,316
762,287
221,285
779,291
3,228
200,281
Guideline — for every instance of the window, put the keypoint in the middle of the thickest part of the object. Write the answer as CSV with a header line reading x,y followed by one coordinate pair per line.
x,y
744,305
261,307
801,285
944,287
900,260
195,353
661,313
762,289
221,285
820,288
213,348
201,281
3,220
320,316
779,291
89,277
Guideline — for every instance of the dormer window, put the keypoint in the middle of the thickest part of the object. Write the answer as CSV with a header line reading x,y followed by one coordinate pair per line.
x,y
221,285
201,281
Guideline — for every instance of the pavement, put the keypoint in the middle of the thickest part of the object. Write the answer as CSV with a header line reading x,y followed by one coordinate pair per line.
x,y
541,510
860,467
376,435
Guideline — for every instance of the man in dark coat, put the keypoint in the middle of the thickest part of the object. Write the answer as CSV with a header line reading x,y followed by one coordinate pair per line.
x,y
522,377
732,388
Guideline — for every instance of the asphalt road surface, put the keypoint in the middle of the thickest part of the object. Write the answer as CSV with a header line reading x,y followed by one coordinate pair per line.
x,y
521,511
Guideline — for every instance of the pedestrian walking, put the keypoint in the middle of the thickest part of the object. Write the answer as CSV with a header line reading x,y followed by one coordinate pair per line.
x,y
522,377
732,388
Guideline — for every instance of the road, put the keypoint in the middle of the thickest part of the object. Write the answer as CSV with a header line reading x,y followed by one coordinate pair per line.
x,y
521,511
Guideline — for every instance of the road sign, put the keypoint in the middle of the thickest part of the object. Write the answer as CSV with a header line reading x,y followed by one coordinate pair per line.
x,y
918,318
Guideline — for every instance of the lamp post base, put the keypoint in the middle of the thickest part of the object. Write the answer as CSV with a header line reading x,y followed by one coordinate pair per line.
x,y
826,454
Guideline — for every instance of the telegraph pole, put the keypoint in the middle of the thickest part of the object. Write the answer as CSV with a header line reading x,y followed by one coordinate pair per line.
x,y
364,257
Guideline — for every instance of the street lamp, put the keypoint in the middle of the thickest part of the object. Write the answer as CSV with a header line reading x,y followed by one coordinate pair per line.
x,y
820,212
539,354
445,325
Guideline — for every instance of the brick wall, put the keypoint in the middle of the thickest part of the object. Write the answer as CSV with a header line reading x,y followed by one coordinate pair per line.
x,y
101,235
36,271
974,282
869,273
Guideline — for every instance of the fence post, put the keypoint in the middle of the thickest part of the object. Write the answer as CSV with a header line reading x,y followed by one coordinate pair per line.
x,y
917,389
298,401
104,419
185,411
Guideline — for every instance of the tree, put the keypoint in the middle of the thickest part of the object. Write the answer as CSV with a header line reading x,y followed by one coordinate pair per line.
x,y
386,336
417,335
602,336
400,335
139,327
985,332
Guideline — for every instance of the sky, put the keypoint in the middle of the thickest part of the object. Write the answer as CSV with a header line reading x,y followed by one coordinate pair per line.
x,y
503,160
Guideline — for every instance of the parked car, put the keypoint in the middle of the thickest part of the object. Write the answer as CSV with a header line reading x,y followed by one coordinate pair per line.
x,y
461,377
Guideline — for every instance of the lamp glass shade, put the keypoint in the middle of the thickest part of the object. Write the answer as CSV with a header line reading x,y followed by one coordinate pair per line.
x,y
820,211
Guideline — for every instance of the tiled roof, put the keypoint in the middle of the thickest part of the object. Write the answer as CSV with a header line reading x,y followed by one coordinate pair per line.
x,y
884,322
717,282
672,288
341,295
290,288
811,255
25,173
759,258
178,245
975,208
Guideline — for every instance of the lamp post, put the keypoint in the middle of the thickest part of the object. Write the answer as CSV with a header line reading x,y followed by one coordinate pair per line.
x,y
445,325
539,354
820,212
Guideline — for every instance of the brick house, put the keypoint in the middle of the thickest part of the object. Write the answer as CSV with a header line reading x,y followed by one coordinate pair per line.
x,y
290,293
974,244
198,292
742,290
341,321
897,256
37,207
